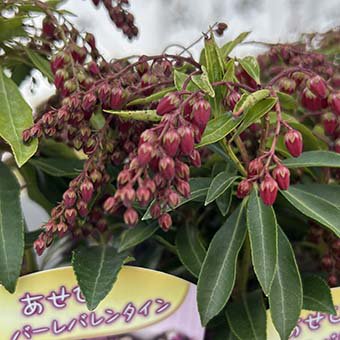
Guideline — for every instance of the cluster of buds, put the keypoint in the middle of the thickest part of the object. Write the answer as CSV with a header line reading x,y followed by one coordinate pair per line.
x,y
158,171
330,259
122,18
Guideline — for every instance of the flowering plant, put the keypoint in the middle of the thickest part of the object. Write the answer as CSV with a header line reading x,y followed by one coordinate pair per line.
x,y
222,170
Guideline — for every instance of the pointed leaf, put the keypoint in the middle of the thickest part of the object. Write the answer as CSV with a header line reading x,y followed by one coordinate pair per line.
x,y
314,207
262,227
15,117
314,158
96,269
229,46
137,235
224,201
219,185
144,115
251,66
202,81
286,101
41,64
11,229
153,97
190,249
317,295
248,101
180,78
217,276
285,299
247,318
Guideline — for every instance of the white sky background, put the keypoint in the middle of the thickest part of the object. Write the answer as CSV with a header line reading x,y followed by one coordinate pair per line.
x,y
164,22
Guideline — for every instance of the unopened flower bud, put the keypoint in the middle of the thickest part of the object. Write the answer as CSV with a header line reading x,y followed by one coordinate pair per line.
x,y
69,198
89,101
165,221
127,195
255,167
167,167
171,142
281,175
201,112
110,204
60,76
143,195
268,190
318,86
330,122
104,93
337,145
89,38
167,104
195,158
82,208
147,80
244,188
155,210
117,98
40,244
287,85
70,215
334,102
130,217
143,66
145,153
232,99
187,139
310,101
183,187
293,142
182,170
173,199
93,68
151,185
61,228
86,190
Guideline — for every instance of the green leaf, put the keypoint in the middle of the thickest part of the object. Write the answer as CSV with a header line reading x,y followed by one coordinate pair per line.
x,y
155,96
317,295
180,78
247,318
190,249
314,207
144,115
255,113
229,74
96,269
202,82
218,128
11,28
137,235
314,158
262,227
286,101
224,201
217,276
58,167
248,101
229,46
20,72
198,188
30,238
15,117
11,229
251,66
285,299
219,185
40,63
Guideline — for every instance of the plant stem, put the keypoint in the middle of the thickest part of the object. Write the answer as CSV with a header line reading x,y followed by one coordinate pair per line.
x,y
242,149
228,149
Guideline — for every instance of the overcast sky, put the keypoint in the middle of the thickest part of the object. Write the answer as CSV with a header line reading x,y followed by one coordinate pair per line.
x,y
165,22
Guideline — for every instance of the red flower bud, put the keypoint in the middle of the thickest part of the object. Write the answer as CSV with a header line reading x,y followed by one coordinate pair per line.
x,y
334,102
165,221
195,158
182,170
86,190
318,86
150,184
330,122
40,244
60,77
36,131
167,167
255,167
171,141
310,101
293,142
244,188
145,153
268,190
127,195
26,135
147,136
104,93
123,178
155,210
167,104
287,85
82,208
78,54
130,217
89,38
69,87
143,196
93,68
337,145
143,65
173,199
201,112
110,204
183,187
70,215
89,101
187,139
48,27
62,228
96,177
58,61
327,262
232,99
281,175
117,98
146,81
69,198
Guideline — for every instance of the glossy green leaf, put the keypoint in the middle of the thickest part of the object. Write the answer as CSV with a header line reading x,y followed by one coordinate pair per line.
x,y
137,235
153,97
190,249
229,74
251,66
262,227
314,159
144,115
247,317
285,299
229,46
218,273
202,82
315,207
15,117
58,167
219,185
224,201
41,64
286,101
96,269
248,101
11,28
218,128
255,113
317,295
11,229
